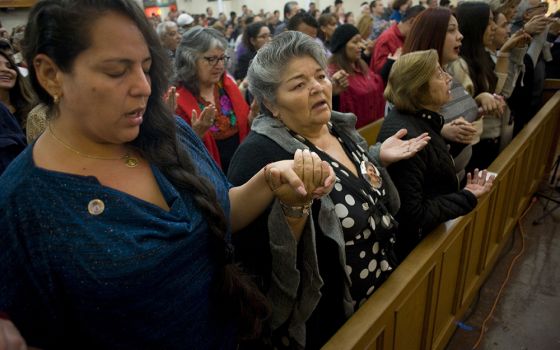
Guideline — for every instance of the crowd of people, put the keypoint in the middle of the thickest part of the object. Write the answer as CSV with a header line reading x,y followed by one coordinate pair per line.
x,y
199,182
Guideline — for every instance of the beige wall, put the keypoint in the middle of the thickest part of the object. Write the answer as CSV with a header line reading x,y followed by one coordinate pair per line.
x,y
13,18
199,6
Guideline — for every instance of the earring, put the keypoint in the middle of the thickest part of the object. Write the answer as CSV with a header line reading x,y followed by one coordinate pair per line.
x,y
56,99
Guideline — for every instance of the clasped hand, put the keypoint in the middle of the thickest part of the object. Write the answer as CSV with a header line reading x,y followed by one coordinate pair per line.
x,y
296,182
459,130
490,104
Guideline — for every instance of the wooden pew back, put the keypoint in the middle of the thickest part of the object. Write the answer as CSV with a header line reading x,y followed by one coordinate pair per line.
x,y
419,305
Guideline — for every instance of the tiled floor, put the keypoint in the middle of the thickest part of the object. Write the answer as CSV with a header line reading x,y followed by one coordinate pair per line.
x,y
527,315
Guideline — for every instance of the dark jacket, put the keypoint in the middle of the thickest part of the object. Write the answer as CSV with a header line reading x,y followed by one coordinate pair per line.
x,y
427,184
242,65
306,282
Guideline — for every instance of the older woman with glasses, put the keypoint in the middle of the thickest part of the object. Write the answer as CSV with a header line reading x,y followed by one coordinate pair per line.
x,y
209,100
343,251
427,183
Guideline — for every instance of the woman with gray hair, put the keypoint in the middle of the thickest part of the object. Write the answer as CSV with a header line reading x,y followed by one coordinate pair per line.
x,y
315,280
208,99
427,183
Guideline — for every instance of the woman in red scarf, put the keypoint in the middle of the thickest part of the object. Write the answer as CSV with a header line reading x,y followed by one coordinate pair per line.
x,y
209,100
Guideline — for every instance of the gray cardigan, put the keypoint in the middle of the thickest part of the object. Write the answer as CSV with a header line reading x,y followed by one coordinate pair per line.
x,y
287,279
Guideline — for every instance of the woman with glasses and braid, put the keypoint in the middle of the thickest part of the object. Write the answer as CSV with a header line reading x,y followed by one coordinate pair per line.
x,y
209,100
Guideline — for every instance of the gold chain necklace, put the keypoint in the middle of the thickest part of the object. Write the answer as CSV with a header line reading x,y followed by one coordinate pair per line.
x,y
130,162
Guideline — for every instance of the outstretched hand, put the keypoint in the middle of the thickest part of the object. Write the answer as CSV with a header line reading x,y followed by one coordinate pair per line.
x,y
296,182
479,183
394,148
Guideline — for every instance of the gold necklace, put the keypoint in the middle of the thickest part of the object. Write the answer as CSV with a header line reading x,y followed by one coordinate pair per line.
x,y
130,162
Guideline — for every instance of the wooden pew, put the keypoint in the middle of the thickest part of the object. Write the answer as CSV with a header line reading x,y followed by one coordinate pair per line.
x,y
421,302
550,88
370,131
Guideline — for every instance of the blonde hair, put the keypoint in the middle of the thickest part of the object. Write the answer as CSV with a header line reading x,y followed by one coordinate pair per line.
x,y
407,87
364,26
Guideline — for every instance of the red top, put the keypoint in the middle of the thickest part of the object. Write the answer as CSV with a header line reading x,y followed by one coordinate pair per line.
x,y
186,102
387,43
363,97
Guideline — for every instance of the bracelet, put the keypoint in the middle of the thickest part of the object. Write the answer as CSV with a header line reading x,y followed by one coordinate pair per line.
x,y
297,211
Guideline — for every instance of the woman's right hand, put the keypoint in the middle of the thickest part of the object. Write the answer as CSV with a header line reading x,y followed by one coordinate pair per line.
x,y
459,130
479,183
202,123
10,339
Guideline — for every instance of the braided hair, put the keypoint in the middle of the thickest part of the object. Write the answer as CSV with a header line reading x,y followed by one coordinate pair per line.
x,y
60,30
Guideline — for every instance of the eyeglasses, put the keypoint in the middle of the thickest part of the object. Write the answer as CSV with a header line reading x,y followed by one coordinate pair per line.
x,y
441,74
213,60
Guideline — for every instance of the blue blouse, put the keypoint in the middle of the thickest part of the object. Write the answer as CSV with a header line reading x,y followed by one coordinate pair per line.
x,y
132,277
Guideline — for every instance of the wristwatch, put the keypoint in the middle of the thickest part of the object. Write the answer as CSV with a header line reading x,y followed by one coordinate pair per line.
x,y
297,211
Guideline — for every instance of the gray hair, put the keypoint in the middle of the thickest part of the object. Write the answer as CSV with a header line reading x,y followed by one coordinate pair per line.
x,y
266,69
194,43
163,27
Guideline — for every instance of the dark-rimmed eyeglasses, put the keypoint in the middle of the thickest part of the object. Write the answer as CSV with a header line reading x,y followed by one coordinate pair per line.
x,y
213,60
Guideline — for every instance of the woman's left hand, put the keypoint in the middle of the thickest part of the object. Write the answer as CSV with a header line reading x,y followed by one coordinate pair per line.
x,y
394,148
479,183
296,182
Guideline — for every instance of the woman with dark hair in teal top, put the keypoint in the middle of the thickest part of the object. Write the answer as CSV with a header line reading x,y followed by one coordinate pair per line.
x,y
116,223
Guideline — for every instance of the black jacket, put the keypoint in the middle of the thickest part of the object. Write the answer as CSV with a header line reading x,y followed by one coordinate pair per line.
x,y
427,184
